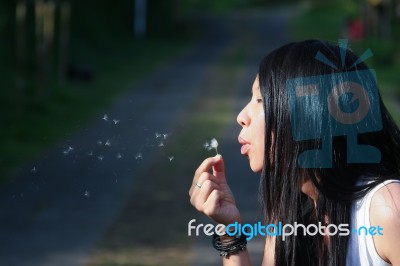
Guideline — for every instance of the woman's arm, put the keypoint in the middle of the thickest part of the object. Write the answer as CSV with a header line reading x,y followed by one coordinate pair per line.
x,y
385,212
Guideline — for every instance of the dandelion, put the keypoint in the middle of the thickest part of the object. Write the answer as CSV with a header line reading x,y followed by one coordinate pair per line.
x,y
119,156
138,156
108,143
158,135
116,121
105,117
87,193
165,136
171,158
33,170
100,157
161,144
213,144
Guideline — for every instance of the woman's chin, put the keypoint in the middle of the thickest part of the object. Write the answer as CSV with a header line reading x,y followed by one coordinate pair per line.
x,y
255,167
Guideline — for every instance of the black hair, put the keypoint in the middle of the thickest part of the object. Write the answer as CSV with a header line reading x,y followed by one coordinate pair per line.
x,y
337,187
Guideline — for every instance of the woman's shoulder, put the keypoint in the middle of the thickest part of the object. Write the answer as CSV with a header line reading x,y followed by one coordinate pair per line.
x,y
385,212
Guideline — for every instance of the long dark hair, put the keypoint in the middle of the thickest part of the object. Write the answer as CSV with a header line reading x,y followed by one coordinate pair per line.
x,y
338,186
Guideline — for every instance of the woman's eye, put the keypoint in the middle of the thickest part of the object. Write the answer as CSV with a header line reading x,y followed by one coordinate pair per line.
x,y
259,100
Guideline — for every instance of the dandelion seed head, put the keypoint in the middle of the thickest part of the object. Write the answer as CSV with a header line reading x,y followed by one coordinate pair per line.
x,y
116,121
100,157
105,117
138,156
214,143
170,158
158,135
165,136
87,193
108,143
161,144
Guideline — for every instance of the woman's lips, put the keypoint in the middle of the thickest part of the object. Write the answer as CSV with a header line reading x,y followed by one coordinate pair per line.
x,y
245,145
245,148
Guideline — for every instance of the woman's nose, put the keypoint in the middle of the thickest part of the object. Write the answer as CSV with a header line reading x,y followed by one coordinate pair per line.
x,y
242,118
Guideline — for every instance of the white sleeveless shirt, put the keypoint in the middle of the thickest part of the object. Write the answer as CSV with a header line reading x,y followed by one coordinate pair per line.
x,y
361,249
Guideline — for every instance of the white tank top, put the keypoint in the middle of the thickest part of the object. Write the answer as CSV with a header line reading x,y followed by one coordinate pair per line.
x,y
361,249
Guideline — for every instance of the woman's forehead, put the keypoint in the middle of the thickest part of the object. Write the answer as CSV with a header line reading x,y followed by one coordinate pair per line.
x,y
256,86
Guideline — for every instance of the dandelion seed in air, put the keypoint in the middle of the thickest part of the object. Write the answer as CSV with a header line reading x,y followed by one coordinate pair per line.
x,y
158,135
68,150
90,153
87,194
108,143
116,121
33,170
119,156
105,117
165,136
170,158
138,156
100,157
99,142
161,144
207,146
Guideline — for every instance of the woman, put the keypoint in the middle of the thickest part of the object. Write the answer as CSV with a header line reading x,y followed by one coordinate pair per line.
x,y
333,187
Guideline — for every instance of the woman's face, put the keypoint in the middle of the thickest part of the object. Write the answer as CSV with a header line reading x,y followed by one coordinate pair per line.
x,y
251,137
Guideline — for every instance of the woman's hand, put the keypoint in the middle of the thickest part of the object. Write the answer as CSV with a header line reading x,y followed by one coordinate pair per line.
x,y
211,194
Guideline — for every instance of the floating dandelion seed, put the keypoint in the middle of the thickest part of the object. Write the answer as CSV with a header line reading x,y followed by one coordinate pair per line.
x,y
87,194
119,156
100,157
161,144
108,143
99,142
207,146
116,121
158,135
90,153
171,158
138,156
105,117
68,150
165,136
33,170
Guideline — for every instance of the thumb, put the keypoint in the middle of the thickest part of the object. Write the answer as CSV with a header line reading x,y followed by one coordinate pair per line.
x,y
219,167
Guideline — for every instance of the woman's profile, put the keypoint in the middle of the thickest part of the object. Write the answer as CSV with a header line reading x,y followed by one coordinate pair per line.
x,y
342,190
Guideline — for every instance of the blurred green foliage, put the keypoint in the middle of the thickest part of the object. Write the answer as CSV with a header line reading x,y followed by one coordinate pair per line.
x,y
327,21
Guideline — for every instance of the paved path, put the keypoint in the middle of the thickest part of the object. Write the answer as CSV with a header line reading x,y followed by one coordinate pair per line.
x,y
265,30
61,203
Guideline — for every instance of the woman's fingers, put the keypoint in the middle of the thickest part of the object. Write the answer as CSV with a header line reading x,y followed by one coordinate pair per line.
x,y
199,195
204,167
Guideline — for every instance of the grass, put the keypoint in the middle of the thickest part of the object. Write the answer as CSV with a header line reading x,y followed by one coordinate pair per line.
x,y
68,107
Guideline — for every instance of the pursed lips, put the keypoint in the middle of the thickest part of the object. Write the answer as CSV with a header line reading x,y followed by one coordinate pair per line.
x,y
245,145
